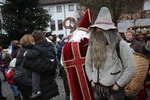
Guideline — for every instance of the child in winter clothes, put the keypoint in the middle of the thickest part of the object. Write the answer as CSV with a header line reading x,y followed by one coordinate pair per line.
x,y
9,75
4,61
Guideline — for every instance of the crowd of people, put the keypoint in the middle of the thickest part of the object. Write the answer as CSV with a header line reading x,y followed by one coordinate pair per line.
x,y
87,61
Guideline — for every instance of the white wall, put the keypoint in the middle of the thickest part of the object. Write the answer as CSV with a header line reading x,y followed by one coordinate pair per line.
x,y
124,25
61,16
147,5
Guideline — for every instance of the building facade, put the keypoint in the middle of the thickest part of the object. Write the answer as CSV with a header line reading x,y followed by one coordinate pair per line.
x,y
60,10
139,21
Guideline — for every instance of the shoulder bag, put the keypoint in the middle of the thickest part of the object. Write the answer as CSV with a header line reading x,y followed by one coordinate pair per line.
x,y
23,75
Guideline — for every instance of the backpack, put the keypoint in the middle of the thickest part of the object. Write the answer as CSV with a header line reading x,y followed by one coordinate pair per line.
x,y
22,75
118,50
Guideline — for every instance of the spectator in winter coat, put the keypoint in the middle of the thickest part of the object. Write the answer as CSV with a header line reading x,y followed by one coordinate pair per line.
x,y
135,45
9,75
60,45
27,43
62,71
46,68
4,62
15,47
144,93
146,47
1,96
48,55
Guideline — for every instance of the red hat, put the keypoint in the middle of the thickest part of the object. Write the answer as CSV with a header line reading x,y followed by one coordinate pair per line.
x,y
86,20
1,48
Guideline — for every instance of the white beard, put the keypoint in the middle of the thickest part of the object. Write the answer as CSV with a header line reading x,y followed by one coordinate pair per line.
x,y
78,35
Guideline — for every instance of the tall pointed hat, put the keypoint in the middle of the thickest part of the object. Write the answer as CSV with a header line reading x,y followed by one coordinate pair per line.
x,y
104,20
86,20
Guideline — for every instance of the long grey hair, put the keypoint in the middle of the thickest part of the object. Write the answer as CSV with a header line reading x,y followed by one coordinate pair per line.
x,y
98,43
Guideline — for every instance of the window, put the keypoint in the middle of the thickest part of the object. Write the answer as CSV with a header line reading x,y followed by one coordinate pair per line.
x,y
59,8
148,14
47,9
71,7
53,25
60,26
51,9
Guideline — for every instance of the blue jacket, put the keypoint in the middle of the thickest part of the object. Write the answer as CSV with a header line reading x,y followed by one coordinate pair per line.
x,y
59,49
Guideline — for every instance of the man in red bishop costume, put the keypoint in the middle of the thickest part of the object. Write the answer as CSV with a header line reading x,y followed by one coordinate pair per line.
x,y
73,57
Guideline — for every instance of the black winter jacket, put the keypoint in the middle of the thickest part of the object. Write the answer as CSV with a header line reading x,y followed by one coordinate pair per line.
x,y
43,55
46,69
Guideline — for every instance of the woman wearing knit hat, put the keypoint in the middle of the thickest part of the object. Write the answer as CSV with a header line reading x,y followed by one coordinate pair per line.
x,y
1,96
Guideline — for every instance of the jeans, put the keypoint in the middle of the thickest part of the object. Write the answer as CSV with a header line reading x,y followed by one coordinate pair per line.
x,y
15,90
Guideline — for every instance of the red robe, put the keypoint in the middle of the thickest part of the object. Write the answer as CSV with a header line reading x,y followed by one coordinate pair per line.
x,y
73,54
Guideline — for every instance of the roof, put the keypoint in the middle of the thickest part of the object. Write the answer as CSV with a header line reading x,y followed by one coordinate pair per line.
x,y
136,27
50,2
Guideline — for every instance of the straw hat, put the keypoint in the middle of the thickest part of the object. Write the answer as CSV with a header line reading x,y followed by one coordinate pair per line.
x,y
104,20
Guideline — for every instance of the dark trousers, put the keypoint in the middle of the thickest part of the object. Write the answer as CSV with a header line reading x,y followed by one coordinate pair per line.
x,y
106,93
0,88
117,96
35,82
4,74
65,81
